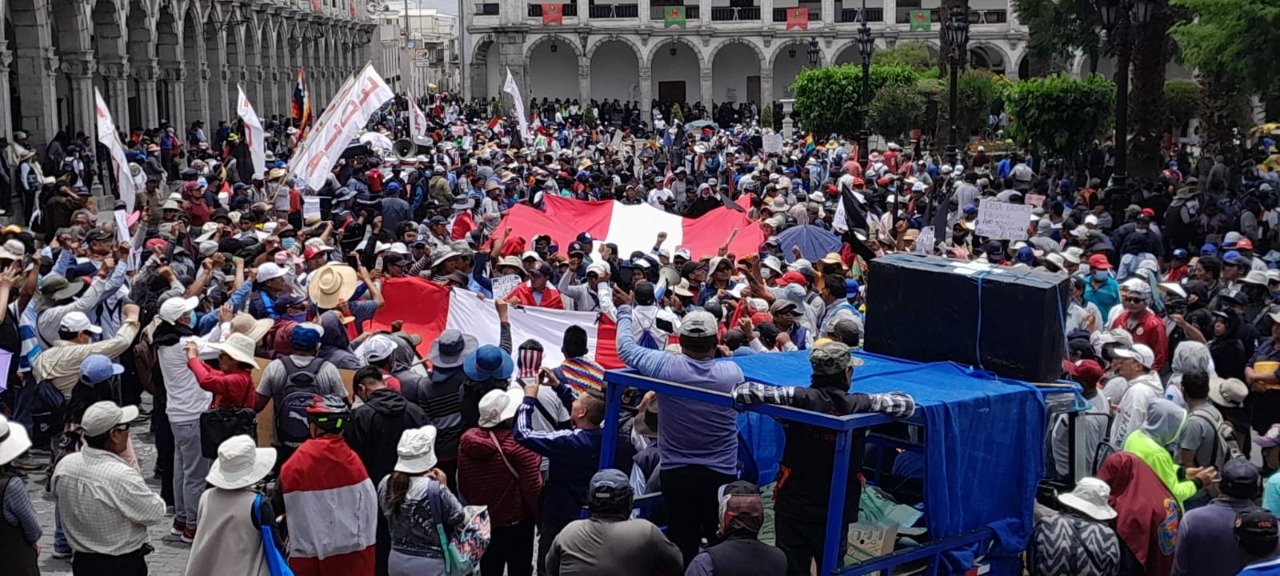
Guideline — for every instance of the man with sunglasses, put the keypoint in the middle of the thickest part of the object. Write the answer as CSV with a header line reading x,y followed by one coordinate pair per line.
x,y
104,503
1145,326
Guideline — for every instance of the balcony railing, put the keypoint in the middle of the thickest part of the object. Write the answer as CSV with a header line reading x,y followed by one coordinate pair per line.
x,y
975,16
614,11
851,15
488,9
660,12
733,14
535,10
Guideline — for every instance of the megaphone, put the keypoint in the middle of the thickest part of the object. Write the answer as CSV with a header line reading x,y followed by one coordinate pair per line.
x,y
404,149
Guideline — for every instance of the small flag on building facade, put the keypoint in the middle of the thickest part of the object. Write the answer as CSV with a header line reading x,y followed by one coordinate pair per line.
x,y
673,16
552,14
798,18
920,20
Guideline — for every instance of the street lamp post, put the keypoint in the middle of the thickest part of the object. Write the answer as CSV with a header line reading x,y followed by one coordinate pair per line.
x,y
957,29
814,52
866,46
1118,17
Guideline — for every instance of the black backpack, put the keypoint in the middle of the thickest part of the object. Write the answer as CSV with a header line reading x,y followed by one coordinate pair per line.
x,y
300,390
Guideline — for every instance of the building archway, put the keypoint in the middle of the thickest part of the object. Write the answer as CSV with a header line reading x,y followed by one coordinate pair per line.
x,y
195,100
676,70
789,58
552,71
987,57
73,43
615,71
169,55
735,73
141,47
111,52
486,79
34,98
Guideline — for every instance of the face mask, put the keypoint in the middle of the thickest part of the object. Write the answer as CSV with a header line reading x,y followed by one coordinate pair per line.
x,y
296,316
766,273
289,243
1103,274
193,319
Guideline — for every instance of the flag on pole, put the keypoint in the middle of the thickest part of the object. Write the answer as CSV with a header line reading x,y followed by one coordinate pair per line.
x,y
494,124
358,99
798,18
552,14
511,88
300,106
920,20
417,120
109,137
673,16
253,134
809,144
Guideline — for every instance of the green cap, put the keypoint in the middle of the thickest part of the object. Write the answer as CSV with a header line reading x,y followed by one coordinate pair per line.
x,y
832,358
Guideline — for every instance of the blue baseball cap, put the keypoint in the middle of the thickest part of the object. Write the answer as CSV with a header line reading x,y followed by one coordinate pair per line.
x,y
585,238
1232,257
851,287
306,335
1209,250
970,209
1181,254
489,362
98,368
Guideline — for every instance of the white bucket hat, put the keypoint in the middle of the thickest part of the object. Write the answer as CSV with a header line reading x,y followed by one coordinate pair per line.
x,y
1090,498
499,405
239,347
240,463
417,450
14,440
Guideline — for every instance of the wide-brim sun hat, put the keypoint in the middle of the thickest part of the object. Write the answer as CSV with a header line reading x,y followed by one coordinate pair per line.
x,y
331,284
498,406
1090,497
451,349
238,346
488,363
255,329
240,464
14,440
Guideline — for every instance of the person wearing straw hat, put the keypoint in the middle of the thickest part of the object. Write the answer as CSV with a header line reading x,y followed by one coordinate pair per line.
x,y
229,542
231,383
105,506
505,476
406,499
1078,541
19,528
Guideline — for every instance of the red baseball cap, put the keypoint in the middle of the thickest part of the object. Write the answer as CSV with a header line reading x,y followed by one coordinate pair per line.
x,y
1099,262
793,277
1244,244
1149,212
312,252
1087,372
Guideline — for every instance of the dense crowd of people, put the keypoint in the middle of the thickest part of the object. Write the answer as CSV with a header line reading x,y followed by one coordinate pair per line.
x,y
247,323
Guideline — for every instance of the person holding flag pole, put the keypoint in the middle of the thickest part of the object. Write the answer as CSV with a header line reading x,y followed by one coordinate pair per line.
x,y
253,133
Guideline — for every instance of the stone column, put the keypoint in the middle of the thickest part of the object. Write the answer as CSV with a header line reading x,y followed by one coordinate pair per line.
x,y
175,95
196,95
766,15
890,14
38,93
645,21
584,80
6,109
828,13
216,70
646,92
80,68
704,12
766,86
146,74
705,80
115,78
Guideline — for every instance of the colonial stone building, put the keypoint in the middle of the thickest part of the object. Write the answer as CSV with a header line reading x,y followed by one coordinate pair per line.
x,y
728,50
178,60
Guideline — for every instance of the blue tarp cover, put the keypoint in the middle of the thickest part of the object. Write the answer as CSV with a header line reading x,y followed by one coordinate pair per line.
x,y
984,441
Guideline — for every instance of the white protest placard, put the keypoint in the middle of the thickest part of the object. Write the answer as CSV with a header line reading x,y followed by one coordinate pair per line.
x,y
1036,200
417,121
772,143
1002,220
109,137
616,143
310,207
925,241
504,285
458,130
122,226
350,110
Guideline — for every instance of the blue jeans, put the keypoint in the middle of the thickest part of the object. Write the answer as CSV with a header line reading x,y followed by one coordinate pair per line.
x,y
59,537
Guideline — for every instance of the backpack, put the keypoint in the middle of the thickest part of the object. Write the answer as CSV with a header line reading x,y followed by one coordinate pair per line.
x,y
646,339
48,410
1225,447
300,389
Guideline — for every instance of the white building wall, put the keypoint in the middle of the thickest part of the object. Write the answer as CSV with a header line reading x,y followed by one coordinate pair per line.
x,y
552,74
615,72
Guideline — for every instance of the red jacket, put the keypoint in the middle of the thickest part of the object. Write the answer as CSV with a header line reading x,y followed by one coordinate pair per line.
x,y
332,510
1149,331
486,480
230,390
523,295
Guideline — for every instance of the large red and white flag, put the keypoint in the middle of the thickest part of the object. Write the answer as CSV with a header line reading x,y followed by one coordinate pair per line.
x,y
427,309
635,227
349,111
109,137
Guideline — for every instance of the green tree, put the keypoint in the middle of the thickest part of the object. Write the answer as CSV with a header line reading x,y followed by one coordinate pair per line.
x,y
914,55
1060,27
589,116
895,110
1184,100
677,114
1148,120
766,116
1234,46
829,100
977,95
496,108
1060,114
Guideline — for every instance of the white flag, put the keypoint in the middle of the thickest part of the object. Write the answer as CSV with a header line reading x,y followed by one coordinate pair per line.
x,y
511,88
417,121
253,134
109,137
349,111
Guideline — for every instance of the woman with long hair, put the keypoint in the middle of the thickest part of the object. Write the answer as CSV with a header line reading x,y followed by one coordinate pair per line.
x,y
415,499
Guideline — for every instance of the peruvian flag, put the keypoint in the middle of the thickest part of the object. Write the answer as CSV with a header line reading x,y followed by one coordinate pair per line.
x,y
495,124
635,227
798,18
552,14
428,308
